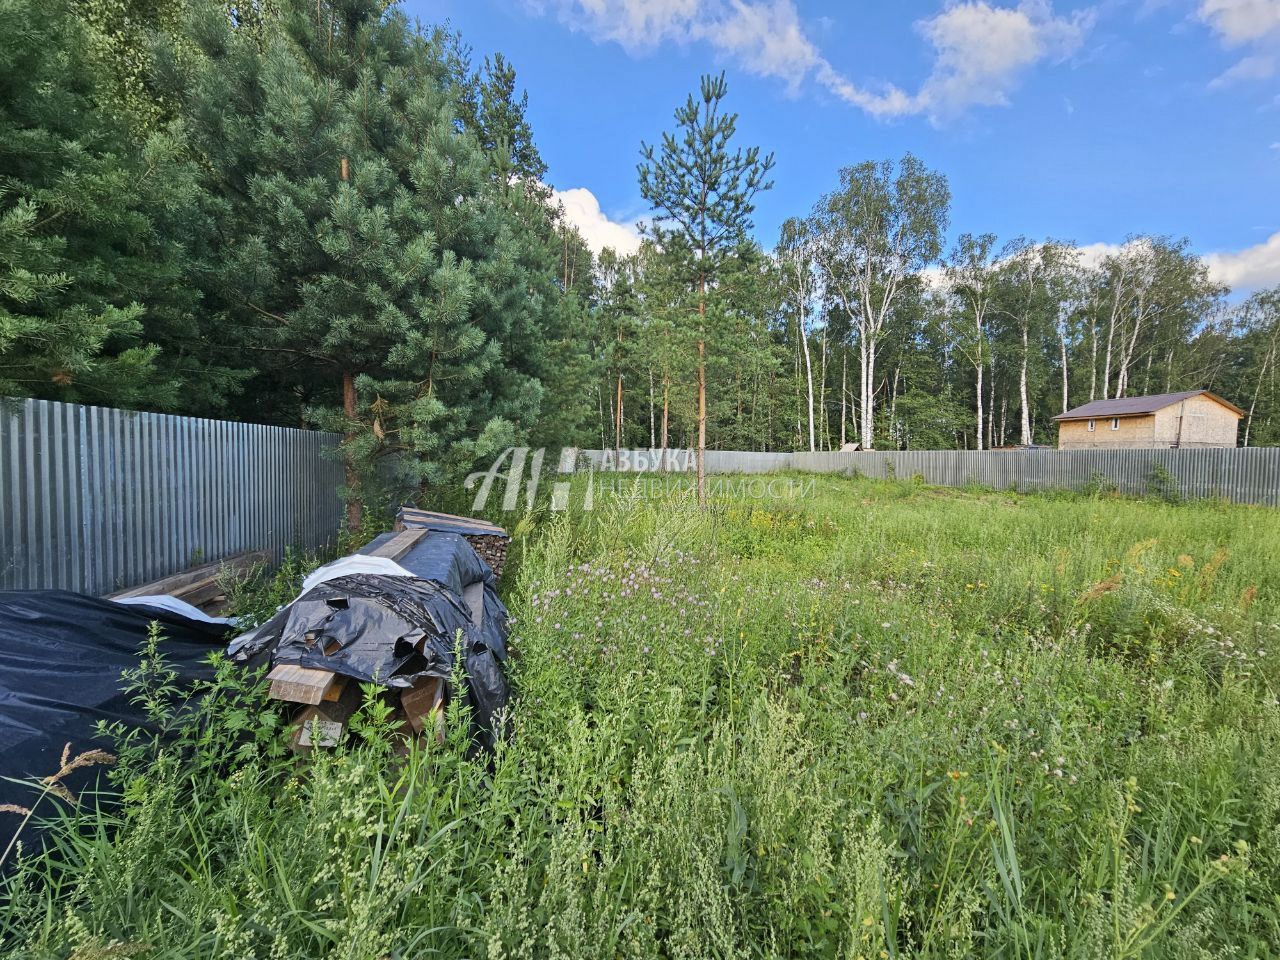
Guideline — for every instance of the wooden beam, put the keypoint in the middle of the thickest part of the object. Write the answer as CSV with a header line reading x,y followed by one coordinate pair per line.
x,y
299,684
423,704
400,544
189,579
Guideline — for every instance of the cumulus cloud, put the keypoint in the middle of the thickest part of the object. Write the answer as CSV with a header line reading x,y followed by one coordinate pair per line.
x,y
1239,22
582,209
1256,67
980,49
1252,268
1251,24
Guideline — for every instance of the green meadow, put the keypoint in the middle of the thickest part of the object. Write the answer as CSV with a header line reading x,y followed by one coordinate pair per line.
x,y
874,720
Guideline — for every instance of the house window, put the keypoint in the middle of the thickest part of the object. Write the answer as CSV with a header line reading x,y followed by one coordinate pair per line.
x,y
1115,423
1091,424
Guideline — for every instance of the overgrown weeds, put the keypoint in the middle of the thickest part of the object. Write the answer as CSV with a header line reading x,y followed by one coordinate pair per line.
x,y
877,722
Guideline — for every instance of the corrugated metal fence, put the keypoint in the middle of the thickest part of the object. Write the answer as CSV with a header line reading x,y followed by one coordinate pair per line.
x,y
96,500
1244,475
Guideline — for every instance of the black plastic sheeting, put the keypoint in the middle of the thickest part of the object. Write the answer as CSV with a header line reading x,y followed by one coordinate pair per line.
x,y
61,657
396,630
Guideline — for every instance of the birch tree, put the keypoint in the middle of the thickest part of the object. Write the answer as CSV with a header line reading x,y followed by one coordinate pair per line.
x,y
795,255
882,226
971,276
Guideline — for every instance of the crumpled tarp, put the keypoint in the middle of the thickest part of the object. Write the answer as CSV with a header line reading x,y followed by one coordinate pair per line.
x,y
396,630
349,566
181,608
61,656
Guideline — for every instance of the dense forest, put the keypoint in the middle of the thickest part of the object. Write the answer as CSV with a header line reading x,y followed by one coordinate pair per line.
x,y
325,214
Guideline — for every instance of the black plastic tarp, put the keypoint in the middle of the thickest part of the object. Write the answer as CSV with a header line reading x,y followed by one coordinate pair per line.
x,y
61,659
397,630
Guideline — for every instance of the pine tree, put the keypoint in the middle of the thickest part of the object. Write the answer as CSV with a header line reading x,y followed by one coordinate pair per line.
x,y
369,253
704,195
95,305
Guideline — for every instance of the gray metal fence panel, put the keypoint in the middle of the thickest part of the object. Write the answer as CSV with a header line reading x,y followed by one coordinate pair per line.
x,y
96,500
1244,475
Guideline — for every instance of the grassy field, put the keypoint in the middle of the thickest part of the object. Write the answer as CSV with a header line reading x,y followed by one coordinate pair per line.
x,y
882,720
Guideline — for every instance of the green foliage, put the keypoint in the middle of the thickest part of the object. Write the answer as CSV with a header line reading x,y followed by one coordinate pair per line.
x,y
1163,484
882,719
91,221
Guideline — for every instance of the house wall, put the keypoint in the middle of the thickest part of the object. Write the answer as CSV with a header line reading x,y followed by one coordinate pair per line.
x,y
1134,432
1205,423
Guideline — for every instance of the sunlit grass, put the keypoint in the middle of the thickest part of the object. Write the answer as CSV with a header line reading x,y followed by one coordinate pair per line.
x,y
877,720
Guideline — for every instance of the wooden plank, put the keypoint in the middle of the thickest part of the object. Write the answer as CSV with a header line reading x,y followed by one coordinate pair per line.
x,y
447,522
200,592
424,706
332,714
400,544
336,689
299,684
187,578
315,731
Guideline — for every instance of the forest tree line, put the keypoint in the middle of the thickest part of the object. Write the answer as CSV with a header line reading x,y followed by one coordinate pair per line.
x,y
324,214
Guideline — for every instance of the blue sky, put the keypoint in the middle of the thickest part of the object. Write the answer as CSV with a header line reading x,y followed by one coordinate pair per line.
x,y
1076,121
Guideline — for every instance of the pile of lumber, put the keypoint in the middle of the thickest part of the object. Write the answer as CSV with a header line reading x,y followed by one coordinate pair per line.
x,y
202,586
328,701
492,550
487,539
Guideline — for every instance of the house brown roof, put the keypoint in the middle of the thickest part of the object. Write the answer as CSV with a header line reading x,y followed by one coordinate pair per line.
x,y
1137,406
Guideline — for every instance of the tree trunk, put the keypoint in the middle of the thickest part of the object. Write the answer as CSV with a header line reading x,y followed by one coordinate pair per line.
x,y
1022,392
1062,340
355,506
666,409
1262,375
808,375
653,438
824,431
617,421
844,392
864,360
991,406
1093,359
978,368
702,391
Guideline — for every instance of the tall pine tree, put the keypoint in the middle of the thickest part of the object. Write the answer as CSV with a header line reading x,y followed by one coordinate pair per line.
x,y
703,192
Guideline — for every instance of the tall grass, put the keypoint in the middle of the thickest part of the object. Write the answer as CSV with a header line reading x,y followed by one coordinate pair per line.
x,y
881,721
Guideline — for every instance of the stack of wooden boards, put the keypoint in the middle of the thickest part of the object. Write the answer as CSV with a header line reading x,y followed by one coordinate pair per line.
x,y
328,700
203,586
487,539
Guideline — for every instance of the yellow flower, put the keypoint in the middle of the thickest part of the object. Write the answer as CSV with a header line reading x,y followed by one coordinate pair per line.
x,y
867,921
1170,895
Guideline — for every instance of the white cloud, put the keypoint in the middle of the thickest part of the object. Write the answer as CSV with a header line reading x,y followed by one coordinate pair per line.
x,y
1250,269
1241,21
1253,24
582,209
1256,67
980,49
